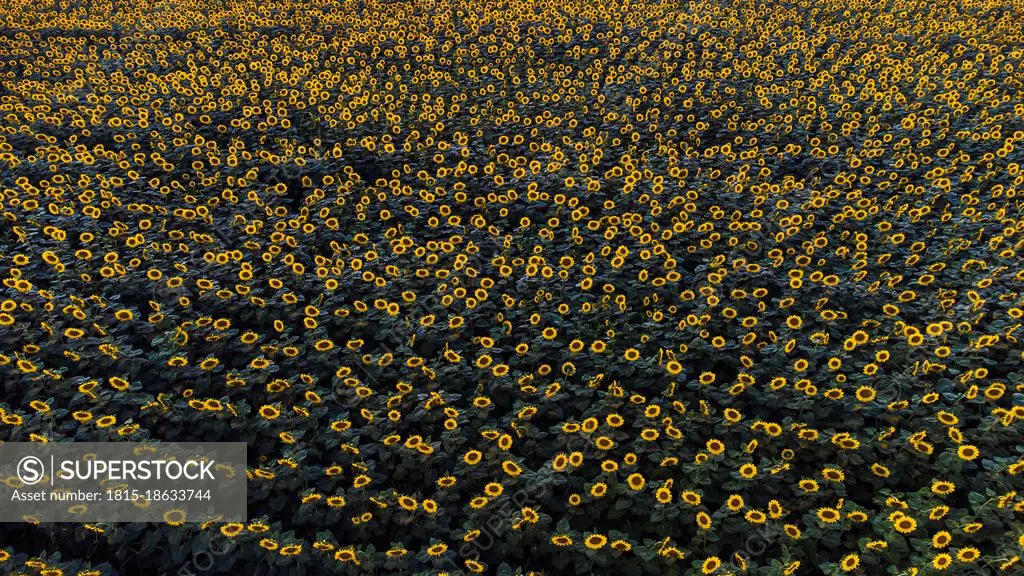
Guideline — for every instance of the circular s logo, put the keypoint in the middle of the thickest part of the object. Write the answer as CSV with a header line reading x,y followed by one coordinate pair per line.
x,y
30,470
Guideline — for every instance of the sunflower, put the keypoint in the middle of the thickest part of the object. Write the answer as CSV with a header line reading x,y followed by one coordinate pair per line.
x,y
941,539
703,520
711,565
716,447
106,421
595,541
621,546
967,452
850,562
829,515
808,485
968,554
438,549
690,497
857,516
941,561
269,412
290,550
755,517
345,555
561,540
174,517
905,525
231,530
407,503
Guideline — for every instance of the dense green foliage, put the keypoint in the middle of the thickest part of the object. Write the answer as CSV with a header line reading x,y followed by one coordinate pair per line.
x,y
525,287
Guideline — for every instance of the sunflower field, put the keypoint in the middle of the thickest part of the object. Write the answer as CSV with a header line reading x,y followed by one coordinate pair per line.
x,y
525,287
